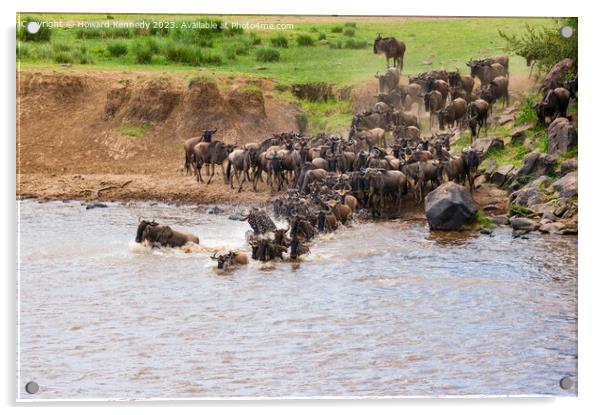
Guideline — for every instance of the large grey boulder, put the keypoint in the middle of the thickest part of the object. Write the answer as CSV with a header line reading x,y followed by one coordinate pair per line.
x,y
523,224
535,165
568,166
566,186
450,207
561,136
483,145
532,194
502,174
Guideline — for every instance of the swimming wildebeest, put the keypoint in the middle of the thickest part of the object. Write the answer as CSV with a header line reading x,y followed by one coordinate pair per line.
x,y
259,221
162,235
389,81
452,114
230,259
391,48
553,105
476,113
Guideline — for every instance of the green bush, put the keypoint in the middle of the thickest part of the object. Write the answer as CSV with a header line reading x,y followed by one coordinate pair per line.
x,y
233,31
254,39
61,47
279,41
526,112
117,49
337,29
143,54
305,40
43,35
302,121
356,44
82,57
321,36
63,57
545,45
267,55
351,24
350,32
103,32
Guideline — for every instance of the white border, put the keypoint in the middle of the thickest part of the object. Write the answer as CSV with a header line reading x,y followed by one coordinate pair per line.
x,y
589,281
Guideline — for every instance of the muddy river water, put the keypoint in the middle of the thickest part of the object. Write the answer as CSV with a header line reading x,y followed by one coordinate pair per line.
x,y
377,309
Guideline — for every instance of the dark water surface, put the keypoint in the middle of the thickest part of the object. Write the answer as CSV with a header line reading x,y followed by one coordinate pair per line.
x,y
384,308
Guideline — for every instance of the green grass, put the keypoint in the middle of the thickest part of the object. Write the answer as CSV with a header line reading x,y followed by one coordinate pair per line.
x,y
331,116
519,210
134,131
435,40
483,220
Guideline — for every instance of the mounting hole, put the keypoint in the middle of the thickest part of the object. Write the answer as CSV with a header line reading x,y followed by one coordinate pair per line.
x,y
32,387
566,383
33,27
566,31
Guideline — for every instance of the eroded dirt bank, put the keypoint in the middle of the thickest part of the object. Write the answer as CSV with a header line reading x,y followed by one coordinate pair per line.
x,y
119,135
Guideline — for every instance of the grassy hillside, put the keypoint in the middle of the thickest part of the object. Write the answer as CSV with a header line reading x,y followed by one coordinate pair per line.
x,y
333,50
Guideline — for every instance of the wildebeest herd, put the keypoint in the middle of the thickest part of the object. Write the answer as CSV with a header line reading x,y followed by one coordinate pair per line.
x,y
327,179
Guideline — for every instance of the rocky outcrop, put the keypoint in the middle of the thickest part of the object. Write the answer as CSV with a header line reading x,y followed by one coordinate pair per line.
x,y
534,165
532,194
483,145
568,166
450,207
561,136
501,175
566,186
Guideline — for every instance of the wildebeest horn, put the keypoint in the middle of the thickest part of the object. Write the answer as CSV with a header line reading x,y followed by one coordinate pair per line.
x,y
139,219
214,131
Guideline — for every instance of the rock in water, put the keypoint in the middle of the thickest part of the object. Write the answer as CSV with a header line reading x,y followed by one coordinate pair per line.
x,y
449,207
96,205
561,136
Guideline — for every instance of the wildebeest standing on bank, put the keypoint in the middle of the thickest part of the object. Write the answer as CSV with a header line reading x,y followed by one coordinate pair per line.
x,y
476,113
215,152
433,103
162,235
453,113
388,81
496,89
553,105
392,49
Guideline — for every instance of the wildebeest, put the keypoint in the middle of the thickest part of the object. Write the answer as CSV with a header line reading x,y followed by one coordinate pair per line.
x,y
312,176
476,113
391,48
298,248
410,94
553,105
471,162
466,82
486,71
388,81
240,161
375,136
162,235
438,85
215,152
453,113
392,100
189,153
230,259
382,182
496,89
259,221
433,103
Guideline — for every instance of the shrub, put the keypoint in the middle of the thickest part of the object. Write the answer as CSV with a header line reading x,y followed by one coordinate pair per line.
x,y
233,31
254,39
337,29
351,24
279,41
117,49
302,121
305,40
545,45
82,57
61,47
355,44
103,32
267,55
336,44
349,32
63,57
321,36
230,52
142,53
42,35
